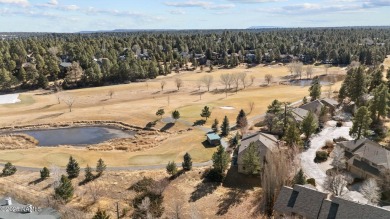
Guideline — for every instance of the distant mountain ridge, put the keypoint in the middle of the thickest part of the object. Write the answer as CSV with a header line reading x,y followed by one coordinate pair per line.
x,y
262,27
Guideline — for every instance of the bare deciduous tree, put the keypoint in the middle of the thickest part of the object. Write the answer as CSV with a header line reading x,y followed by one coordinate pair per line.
x,y
111,93
251,106
243,79
226,81
207,81
327,67
236,81
199,84
252,79
338,155
162,85
179,83
298,69
276,173
176,211
371,190
337,183
69,100
268,78
55,175
58,97
309,71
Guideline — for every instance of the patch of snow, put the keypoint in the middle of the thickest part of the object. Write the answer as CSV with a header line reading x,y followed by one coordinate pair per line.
x,y
227,107
9,98
311,169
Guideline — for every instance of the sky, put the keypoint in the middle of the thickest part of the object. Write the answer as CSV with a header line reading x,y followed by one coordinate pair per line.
x,y
90,15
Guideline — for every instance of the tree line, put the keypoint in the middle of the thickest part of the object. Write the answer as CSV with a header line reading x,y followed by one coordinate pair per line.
x,y
32,61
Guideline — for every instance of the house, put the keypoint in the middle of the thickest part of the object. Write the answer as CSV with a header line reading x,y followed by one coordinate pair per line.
x,y
314,107
265,143
332,104
65,64
20,211
213,139
366,158
299,114
286,58
304,201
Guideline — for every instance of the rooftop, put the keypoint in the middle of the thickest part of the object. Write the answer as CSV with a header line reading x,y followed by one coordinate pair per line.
x,y
213,136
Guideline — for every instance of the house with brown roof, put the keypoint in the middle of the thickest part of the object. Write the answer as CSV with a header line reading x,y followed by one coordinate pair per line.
x,y
304,201
265,143
313,106
366,158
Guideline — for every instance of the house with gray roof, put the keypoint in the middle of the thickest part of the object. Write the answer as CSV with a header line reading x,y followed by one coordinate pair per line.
x,y
299,114
265,143
304,201
11,209
366,158
314,106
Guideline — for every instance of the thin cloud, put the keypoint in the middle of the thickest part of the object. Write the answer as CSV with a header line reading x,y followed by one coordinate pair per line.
x,y
200,4
177,12
256,1
23,3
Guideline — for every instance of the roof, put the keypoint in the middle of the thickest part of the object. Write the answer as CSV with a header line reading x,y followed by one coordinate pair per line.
x,y
265,143
369,150
314,106
267,140
311,203
66,64
330,101
40,213
213,136
299,114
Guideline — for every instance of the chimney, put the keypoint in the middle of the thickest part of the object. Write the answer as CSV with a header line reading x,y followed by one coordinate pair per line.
x,y
8,201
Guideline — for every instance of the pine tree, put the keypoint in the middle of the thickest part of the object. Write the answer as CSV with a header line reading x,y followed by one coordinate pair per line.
x,y
241,121
299,178
100,167
45,173
275,107
376,79
171,168
309,125
65,189
225,127
221,160
315,89
9,169
383,101
215,127
175,115
100,214
88,174
205,112
72,168
292,136
251,159
357,88
361,123
304,100
187,164
160,112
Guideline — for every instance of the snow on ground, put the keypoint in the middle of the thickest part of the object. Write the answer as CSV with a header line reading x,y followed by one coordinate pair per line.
x,y
318,171
9,98
311,169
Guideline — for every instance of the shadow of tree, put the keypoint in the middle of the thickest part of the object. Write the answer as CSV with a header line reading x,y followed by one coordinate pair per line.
x,y
203,189
199,122
167,126
233,197
34,182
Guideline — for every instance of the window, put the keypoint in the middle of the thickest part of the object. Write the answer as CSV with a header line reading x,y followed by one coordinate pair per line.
x,y
334,207
293,198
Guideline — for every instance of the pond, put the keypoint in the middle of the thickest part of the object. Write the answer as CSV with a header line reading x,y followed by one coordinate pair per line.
x,y
324,80
77,136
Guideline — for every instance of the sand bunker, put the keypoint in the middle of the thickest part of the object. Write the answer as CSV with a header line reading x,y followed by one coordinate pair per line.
x,y
9,98
227,107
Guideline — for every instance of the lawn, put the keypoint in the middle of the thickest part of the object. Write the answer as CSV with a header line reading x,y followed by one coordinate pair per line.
x,y
172,150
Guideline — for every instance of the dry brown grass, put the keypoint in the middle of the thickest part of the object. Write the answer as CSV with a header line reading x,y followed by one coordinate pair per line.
x,y
206,200
17,141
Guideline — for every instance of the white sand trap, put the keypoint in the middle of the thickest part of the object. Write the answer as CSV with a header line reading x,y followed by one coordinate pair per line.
x,y
227,107
9,98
